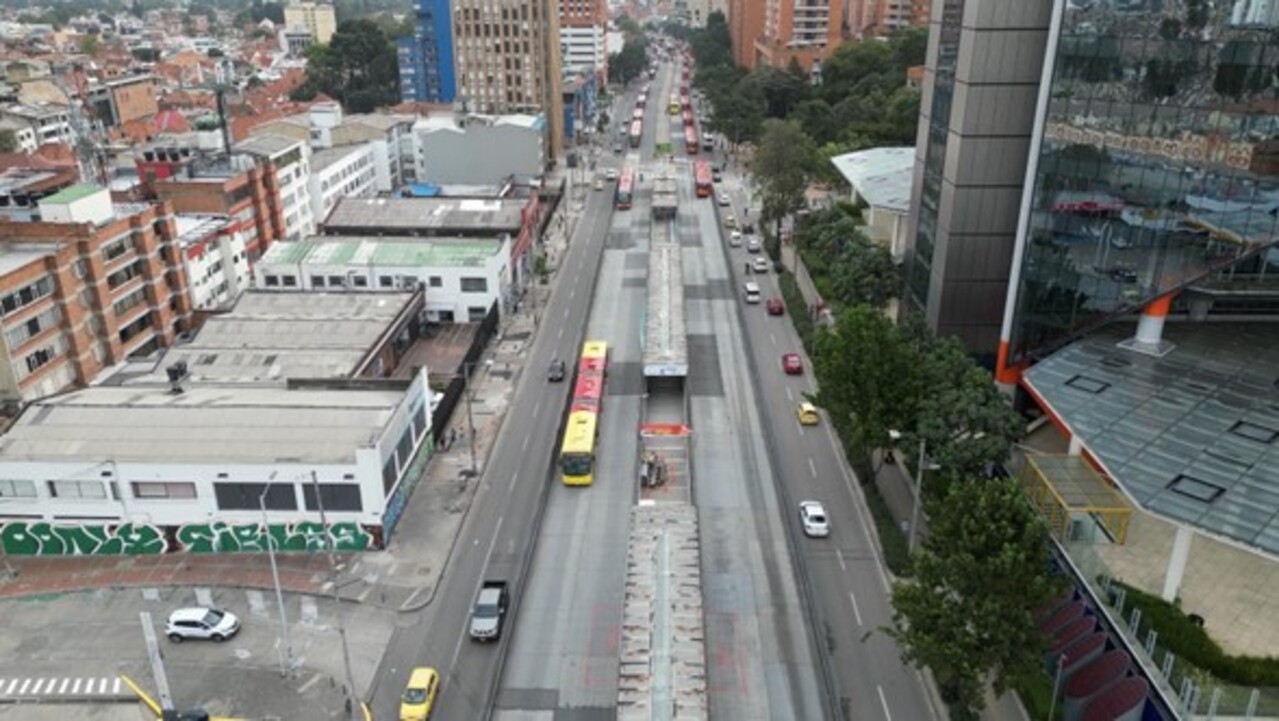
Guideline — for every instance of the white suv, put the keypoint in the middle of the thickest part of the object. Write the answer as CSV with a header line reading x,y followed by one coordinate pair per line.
x,y
813,516
201,623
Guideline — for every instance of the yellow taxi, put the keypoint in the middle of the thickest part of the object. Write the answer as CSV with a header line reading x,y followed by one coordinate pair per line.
x,y
807,414
730,221
419,696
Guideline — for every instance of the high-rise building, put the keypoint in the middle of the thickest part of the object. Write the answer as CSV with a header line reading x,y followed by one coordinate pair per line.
x,y
426,56
745,24
507,59
805,30
316,18
582,27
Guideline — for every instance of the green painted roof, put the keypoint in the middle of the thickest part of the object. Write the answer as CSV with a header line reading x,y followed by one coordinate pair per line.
x,y
74,193
408,253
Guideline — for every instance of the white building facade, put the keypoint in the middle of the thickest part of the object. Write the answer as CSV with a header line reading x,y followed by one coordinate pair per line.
x,y
157,472
462,278
582,46
292,161
344,172
215,259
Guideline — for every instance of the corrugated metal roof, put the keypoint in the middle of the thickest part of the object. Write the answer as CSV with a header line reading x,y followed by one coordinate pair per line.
x,y
880,175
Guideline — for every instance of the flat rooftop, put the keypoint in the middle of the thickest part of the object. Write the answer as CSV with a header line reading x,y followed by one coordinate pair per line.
x,y
665,337
17,255
266,144
322,159
1192,436
880,175
384,251
201,425
496,215
269,337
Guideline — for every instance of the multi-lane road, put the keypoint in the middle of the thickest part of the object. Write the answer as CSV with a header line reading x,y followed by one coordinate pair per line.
x,y
784,614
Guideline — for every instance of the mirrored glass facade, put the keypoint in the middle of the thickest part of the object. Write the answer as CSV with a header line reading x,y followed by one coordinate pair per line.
x,y
1159,163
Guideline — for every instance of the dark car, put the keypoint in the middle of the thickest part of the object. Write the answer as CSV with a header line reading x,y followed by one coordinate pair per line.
x,y
1123,275
716,175
555,373
775,306
749,228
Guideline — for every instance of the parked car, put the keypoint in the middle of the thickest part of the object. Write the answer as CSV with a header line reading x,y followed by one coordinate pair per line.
x,y
489,612
792,364
555,373
775,306
813,516
419,695
202,623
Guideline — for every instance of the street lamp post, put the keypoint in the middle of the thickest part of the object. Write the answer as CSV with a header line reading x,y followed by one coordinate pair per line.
x,y
352,707
467,369
919,492
286,659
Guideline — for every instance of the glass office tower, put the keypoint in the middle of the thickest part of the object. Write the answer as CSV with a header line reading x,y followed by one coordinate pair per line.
x,y
1154,166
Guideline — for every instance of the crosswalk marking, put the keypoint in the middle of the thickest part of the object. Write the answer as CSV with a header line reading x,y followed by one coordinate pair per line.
x,y
61,686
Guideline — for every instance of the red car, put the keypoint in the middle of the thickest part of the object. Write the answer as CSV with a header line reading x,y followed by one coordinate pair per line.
x,y
792,364
775,306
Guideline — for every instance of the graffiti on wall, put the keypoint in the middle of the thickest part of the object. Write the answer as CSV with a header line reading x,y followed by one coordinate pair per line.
x,y
24,538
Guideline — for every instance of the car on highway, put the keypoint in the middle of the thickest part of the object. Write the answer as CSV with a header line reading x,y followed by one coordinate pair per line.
x,y
599,183
807,413
813,517
201,623
716,175
723,200
752,245
489,612
775,306
791,364
610,174
761,265
730,221
419,695
750,290
555,372
735,238
617,148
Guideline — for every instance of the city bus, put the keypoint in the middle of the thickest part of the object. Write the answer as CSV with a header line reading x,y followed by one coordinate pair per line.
x,y
625,189
638,114
637,132
577,453
702,178
675,106
690,140
685,103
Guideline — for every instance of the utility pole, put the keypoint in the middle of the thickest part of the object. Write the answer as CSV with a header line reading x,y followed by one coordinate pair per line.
x,y
919,493
467,369
286,657
157,662
352,708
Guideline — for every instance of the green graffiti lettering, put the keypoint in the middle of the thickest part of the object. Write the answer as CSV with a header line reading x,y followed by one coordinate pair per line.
x,y
350,537
21,538
44,539
17,541
84,540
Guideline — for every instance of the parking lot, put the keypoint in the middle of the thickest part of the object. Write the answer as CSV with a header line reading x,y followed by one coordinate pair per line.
x,y
56,647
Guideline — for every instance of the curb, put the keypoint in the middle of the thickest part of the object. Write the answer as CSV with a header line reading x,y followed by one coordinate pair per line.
x,y
64,700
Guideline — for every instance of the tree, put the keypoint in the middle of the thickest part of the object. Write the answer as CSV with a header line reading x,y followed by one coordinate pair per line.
x,y
783,164
980,577
865,370
8,141
357,68
90,45
712,45
864,273
782,90
737,112
625,66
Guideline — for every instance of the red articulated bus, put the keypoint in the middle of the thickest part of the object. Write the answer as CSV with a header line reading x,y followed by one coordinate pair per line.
x,y
638,114
702,178
625,194
637,132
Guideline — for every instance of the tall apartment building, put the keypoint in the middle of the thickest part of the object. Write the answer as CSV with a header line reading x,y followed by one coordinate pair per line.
x,y
508,60
87,285
582,27
317,18
121,100
883,17
745,25
805,30
426,56
234,187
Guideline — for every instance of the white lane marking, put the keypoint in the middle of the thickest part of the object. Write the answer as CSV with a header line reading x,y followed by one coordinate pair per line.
x,y
812,467
840,555
857,612
515,479
566,310
524,446
310,682
773,338
884,702
573,293
864,522
535,407
560,335
789,396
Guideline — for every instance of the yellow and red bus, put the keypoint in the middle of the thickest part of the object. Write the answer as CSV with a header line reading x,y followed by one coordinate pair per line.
x,y
577,453
702,178
690,140
637,114
625,193
637,132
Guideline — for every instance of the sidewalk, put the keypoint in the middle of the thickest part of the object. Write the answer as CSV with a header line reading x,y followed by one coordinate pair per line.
x,y
404,576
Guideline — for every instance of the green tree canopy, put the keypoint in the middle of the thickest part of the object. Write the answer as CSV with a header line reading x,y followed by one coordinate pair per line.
x,y
784,162
982,573
357,68
8,141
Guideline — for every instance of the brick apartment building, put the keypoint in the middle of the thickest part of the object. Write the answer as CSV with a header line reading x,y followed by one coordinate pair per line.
x,y
121,100
89,284
236,186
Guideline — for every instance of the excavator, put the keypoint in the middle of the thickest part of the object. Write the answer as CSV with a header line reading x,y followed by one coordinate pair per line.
x,y
161,714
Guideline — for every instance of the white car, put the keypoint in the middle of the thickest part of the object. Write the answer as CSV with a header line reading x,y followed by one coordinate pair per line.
x,y
201,623
761,265
610,174
723,199
813,516
752,245
735,238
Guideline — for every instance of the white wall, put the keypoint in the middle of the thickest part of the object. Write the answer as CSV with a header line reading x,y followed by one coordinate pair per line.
x,y
218,276
354,176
